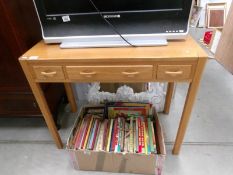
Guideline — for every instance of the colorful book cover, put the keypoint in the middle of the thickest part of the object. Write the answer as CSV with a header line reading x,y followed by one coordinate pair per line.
x,y
147,106
116,111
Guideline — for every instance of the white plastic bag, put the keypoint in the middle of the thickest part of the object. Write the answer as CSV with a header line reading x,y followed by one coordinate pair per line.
x,y
155,94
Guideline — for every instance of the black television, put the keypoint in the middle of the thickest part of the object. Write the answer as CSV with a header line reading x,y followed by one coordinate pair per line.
x,y
108,23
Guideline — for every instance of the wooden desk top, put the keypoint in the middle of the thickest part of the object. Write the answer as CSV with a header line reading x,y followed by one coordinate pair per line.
x,y
176,50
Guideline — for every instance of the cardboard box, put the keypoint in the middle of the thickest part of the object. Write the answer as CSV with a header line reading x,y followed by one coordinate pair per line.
x,y
119,162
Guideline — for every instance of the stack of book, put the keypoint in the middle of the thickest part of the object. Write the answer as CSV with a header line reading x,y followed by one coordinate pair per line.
x,y
117,129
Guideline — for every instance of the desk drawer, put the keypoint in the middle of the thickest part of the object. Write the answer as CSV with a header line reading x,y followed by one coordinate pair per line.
x,y
49,72
111,73
174,72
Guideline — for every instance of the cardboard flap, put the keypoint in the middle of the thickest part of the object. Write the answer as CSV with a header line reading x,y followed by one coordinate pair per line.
x,y
159,132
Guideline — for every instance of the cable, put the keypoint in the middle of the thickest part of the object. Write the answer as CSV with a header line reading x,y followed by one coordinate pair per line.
x,y
110,24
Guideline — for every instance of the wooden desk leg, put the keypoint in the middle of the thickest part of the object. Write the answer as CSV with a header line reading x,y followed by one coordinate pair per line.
x,y
42,103
170,89
71,97
190,98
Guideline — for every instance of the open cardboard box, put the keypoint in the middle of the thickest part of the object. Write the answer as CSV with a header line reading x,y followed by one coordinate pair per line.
x,y
90,160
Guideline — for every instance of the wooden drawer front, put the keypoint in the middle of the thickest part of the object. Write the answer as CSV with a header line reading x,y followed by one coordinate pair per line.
x,y
110,73
49,72
174,72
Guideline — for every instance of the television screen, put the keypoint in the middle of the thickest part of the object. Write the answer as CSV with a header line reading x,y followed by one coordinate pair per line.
x,y
56,7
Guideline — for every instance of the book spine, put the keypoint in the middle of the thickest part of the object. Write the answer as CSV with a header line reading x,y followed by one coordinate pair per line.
x,y
105,138
88,128
134,137
83,133
126,138
153,135
136,134
95,134
77,140
99,145
142,136
122,134
91,136
109,135
131,139
75,136
115,136
150,135
139,136
145,138
119,135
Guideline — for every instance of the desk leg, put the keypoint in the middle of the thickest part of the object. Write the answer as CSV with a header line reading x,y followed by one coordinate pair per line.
x,y
190,98
70,96
42,103
170,89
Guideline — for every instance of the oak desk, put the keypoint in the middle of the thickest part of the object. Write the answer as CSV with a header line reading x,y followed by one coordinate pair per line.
x,y
180,61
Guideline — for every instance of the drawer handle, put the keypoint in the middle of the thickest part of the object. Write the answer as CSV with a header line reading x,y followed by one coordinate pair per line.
x,y
174,73
49,74
88,74
130,74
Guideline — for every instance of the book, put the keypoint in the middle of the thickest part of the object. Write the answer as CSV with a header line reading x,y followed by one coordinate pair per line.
x,y
77,130
122,133
86,132
105,138
83,133
127,138
136,135
145,138
127,132
114,144
100,135
131,140
142,136
139,136
151,145
153,135
109,135
93,143
91,134
78,135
